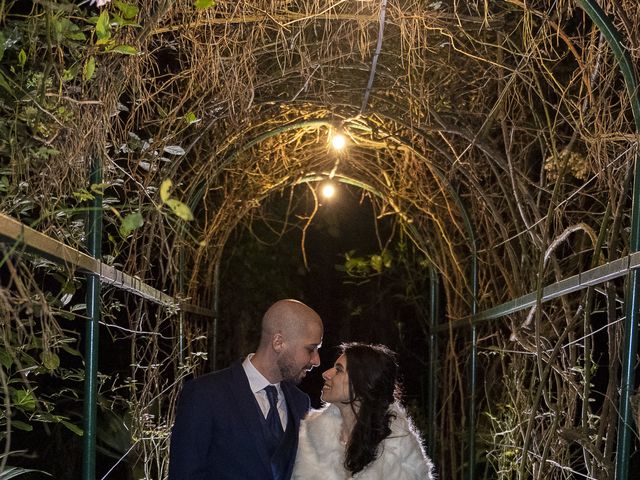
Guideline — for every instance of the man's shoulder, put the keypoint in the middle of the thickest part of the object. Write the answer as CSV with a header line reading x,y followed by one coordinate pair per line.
x,y
225,375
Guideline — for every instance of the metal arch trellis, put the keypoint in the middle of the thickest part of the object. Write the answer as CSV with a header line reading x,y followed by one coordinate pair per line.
x,y
18,233
629,266
633,287
432,340
599,275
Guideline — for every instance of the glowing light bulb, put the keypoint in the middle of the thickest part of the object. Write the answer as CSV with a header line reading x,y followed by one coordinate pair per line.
x,y
328,190
338,141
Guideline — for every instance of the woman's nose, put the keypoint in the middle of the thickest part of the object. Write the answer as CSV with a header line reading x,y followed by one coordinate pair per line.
x,y
328,374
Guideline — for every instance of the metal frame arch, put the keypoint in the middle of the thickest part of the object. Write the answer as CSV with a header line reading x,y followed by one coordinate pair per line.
x,y
632,300
416,237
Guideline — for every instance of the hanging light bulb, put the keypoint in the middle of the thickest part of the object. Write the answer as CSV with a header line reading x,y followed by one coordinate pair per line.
x,y
328,190
338,141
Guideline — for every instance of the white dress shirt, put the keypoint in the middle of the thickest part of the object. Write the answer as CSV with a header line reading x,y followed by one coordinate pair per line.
x,y
257,382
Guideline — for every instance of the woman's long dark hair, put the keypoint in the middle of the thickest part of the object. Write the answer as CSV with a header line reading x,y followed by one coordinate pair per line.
x,y
373,373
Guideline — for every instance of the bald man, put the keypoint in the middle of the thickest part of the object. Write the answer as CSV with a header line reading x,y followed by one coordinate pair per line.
x,y
242,422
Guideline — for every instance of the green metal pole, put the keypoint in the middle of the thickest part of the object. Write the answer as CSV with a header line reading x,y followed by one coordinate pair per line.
x,y
632,305
94,246
473,365
473,374
216,316
433,358
181,347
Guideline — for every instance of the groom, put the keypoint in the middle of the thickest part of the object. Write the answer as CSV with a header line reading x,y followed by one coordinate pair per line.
x,y
242,422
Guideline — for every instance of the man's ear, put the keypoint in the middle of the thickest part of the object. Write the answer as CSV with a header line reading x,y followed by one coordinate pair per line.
x,y
277,342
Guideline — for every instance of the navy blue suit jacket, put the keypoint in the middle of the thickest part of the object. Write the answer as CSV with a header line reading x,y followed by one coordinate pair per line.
x,y
217,433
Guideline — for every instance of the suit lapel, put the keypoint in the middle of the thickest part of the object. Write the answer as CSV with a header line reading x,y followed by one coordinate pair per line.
x,y
294,414
250,413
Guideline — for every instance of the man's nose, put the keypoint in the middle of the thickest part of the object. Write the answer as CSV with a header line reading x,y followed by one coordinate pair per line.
x,y
315,359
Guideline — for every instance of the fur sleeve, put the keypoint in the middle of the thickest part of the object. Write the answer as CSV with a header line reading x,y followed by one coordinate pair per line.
x,y
402,456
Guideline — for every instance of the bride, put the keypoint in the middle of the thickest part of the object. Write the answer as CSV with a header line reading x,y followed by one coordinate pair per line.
x,y
363,433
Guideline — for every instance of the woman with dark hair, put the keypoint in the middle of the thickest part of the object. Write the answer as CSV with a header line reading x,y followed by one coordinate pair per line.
x,y
363,432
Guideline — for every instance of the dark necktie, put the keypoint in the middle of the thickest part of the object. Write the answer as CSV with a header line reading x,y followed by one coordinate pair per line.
x,y
273,417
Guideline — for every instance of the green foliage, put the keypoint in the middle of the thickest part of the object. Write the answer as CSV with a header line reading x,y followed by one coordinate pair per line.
x,y
131,222
50,360
103,28
124,49
23,399
32,367
89,68
179,208
127,11
366,266
203,4
190,118
22,58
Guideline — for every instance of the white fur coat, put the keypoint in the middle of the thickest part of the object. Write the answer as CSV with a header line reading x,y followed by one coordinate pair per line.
x,y
321,456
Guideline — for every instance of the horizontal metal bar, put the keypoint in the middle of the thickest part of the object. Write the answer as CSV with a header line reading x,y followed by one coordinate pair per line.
x,y
20,234
603,273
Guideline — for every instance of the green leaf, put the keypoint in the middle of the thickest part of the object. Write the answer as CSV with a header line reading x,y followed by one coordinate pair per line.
x,y
50,360
22,57
70,350
99,188
190,118
24,400
127,10
107,42
180,209
124,49
356,266
2,44
164,190
46,417
202,4
387,258
121,21
5,358
4,84
89,68
70,30
69,74
79,36
74,428
376,263
57,29
103,29
130,223
66,315
27,360
83,195
21,426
